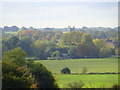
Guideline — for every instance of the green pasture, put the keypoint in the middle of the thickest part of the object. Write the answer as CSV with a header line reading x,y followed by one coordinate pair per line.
x,y
11,32
90,81
76,65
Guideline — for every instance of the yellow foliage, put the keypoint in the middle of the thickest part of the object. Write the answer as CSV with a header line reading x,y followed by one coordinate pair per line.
x,y
34,85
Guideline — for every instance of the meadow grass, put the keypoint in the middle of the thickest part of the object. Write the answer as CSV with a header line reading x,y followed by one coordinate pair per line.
x,y
11,32
76,65
90,81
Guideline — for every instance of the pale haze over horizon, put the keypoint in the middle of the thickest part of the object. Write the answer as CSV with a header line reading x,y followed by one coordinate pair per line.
x,y
59,14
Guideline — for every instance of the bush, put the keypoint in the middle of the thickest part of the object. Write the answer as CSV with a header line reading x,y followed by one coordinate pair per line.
x,y
14,76
84,70
43,77
116,86
65,70
56,55
75,84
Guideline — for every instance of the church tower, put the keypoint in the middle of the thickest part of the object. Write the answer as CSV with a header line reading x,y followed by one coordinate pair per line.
x,y
71,29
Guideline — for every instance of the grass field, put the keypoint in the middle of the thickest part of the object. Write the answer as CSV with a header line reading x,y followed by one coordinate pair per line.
x,y
90,81
76,65
11,32
92,65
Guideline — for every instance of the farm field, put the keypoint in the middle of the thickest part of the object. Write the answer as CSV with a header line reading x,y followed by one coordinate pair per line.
x,y
93,65
76,65
90,81
11,32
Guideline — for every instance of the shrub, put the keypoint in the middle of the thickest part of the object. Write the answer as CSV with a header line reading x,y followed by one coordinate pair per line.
x,y
84,70
65,70
116,86
75,84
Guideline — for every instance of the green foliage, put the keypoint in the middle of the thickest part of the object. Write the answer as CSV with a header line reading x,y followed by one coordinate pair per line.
x,y
43,77
14,76
10,43
56,55
117,51
71,38
16,55
39,48
72,52
86,47
90,81
103,49
99,43
86,38
25,44
41,44
105,52
75,84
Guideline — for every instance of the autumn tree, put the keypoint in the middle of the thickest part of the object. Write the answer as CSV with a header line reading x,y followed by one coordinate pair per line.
x,y
70,38
86,47
105,52
99,43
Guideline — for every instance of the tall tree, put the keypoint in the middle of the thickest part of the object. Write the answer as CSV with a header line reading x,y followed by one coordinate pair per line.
x,y
39,49
72,52
14,76
43,77
16,55
99,43
10,43
105,52
87,48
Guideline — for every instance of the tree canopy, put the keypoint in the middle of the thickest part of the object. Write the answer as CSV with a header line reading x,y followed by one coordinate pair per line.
x,y
14,76
16,55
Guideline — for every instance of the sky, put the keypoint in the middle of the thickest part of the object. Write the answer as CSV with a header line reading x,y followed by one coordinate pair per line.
x,y
59,14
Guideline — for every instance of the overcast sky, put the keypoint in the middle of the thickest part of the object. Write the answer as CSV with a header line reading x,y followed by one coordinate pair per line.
x,y
59,14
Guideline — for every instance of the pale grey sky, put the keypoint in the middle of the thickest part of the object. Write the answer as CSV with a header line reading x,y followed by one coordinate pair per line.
x,y
59,14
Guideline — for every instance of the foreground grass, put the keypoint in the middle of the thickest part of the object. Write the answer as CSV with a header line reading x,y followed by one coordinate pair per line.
x,y
90,81
76,65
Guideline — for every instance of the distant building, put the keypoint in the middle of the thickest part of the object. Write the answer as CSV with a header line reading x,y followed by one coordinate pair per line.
x,y
109,42
71,29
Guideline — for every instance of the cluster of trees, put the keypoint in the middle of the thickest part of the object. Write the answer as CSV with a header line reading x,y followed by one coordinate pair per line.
x,y
58,45
8,29
110,33
19,73
83,45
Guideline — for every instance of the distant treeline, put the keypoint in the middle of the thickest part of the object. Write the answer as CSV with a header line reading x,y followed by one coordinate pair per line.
x,y
58,45
15,28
